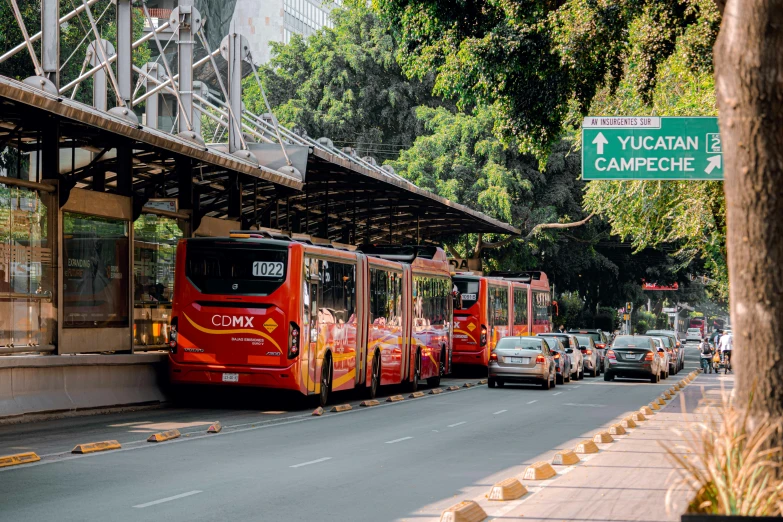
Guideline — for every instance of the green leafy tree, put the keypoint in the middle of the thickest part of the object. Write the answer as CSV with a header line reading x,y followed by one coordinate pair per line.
x,y
344,83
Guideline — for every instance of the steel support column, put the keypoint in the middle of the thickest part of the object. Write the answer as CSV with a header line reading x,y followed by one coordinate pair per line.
x,y
237,50
124,51
153,69
99,78
234,196
124,168
186,20
50,40
50,148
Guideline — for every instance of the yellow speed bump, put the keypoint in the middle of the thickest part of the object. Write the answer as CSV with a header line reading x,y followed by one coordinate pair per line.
x,y
638,417
465,511
683,383
19,458
369,403
164,436
677,386
318,412
628,422
468,385
483,381
215,427
341,407
395,398
509,489
654,406
660,401
603,437
673,391
416,395
436,391
585,447
453,388
667,394
617,429
92,447
645,410
539,471
565,458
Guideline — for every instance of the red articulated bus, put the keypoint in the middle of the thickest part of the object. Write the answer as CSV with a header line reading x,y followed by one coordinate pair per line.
x,y
493,307
259,309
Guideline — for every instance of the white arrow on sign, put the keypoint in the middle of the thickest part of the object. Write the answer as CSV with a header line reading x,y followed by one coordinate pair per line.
x,y
713,162
600,141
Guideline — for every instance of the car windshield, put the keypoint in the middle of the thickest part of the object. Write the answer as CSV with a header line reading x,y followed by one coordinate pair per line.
x,y
631,341
519,343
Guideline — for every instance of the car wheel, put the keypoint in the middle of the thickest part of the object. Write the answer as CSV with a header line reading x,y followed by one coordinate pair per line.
x,y
500,384
491,383
608,377
554,379
594,372
559,379
581,374
655,378
545,384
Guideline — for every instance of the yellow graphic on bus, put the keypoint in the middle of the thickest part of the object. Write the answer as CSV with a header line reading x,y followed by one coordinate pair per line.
x,y
270,325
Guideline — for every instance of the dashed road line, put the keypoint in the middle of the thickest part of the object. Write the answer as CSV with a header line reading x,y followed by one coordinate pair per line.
x,y
316,461
395,441
499,412
531,402
555,394
168,499
457,424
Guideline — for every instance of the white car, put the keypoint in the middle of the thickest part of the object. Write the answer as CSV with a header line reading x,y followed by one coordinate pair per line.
x,y
693,334
574,353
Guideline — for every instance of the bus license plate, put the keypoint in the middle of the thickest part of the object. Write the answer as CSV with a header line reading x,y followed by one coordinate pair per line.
x,y
230,377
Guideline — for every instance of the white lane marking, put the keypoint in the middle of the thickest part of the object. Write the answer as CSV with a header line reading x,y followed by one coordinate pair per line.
x,y
531,402
577,386
398,440
588,405
316,461
457,424
499,412
558,393
169,499
124,424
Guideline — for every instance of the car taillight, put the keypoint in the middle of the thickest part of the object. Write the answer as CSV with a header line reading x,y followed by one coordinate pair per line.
x,y
540,359
483,335
293,340
557,356
588,352
173,336
611,355
661,355
493,356
600,346
649,356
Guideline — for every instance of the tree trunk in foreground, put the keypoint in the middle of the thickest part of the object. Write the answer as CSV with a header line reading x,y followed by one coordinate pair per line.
x,y
749,85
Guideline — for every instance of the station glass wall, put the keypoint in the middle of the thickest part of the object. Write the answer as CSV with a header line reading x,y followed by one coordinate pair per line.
x,y
154,250
27,312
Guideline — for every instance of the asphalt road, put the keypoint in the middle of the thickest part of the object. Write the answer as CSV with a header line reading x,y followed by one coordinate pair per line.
x,y
379,463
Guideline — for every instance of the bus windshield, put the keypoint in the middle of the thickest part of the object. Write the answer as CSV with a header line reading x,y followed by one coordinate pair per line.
x,y
235,268
468,290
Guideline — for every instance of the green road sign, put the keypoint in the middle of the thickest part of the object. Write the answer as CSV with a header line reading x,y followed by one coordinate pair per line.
x,y
651,147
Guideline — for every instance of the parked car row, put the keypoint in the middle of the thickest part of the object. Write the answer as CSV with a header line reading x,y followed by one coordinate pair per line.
x,y
550,359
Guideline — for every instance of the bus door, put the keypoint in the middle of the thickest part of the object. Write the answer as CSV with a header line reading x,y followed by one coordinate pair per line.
x,y
312,294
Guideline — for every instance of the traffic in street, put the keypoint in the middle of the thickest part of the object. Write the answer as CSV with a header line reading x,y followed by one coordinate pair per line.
x,y
384,462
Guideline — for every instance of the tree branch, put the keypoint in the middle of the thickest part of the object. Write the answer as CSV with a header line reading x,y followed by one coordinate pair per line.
x,y
453,252
537,228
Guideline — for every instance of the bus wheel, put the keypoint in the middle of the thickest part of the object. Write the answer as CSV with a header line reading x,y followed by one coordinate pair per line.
x,y
326,380
414,385
376,375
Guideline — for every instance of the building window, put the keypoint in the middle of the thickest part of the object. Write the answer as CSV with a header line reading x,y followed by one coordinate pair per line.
x,y
95,272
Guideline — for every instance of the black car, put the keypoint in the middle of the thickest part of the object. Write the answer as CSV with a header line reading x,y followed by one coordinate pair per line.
x,y
634,356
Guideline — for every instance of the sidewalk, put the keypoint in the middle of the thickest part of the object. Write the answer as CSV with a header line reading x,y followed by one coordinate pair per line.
x,y
628,479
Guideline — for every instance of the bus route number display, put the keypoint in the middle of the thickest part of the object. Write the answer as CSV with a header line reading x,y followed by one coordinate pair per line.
x,y
267,269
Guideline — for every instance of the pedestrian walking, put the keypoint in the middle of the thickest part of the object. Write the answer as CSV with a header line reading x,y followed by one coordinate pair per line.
x,y
706,353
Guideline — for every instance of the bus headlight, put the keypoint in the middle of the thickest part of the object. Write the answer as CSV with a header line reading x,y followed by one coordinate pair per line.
x,y
293,340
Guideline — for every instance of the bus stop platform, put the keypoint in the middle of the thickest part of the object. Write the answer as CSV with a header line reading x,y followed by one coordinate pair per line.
x,y
31,385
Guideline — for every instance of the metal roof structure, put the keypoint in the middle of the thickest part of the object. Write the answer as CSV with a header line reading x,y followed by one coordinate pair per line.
x,y
263,175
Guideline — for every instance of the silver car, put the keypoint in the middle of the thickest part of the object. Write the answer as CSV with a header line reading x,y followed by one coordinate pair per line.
x,y
574,353
522,359
592,359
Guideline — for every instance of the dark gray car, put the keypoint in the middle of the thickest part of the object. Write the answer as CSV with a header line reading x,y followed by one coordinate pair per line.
x,y
634,356
679,350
